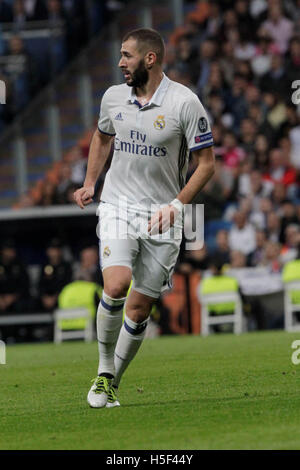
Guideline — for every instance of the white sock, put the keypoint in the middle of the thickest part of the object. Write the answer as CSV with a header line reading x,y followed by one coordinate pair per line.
x,y
129,341
109,322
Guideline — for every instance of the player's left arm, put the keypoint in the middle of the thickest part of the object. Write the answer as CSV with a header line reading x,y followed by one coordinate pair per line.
x,y
202,174
163,219
196,128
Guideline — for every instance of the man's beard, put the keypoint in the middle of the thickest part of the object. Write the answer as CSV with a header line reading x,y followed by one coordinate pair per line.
x,y
140,76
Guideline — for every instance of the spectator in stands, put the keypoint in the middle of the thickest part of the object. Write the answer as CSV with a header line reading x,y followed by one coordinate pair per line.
x,y
19,15
196,259
294,136
233,154
180,77
88,268
230,180
226,60
69,193
278,196
274,111
244,69
55,13
217,107
279,27
214,21
6,14
272,258
22,72
76,24
230,22
248,132
35,10
261,153
273,226
298,212
242,178
261,62
187,58
242,234
292,9
217,131
257,114
253,93
215,85
258,255
6,112
291,119
236,100
259,218
48,194
237,259
288,216
257,8
77,164
14,280
244,17
289,250
57,21
276,80
212,197
208,50
61,190
259,189
222,250
285,146
54,275
293,59
244,49
279,171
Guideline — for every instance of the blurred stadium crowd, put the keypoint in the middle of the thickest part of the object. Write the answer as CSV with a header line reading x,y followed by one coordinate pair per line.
x,y
38,38
241,58
24,291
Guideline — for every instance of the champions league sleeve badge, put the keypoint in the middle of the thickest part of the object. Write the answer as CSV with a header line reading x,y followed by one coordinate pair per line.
x,y
202,124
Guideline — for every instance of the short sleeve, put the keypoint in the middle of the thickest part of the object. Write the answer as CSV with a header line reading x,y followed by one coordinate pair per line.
x,y
195,124
105,124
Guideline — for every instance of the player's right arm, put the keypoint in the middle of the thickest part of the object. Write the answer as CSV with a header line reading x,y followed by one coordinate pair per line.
x,y
98,154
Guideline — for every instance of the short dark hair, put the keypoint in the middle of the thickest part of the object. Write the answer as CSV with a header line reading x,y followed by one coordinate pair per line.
x,y
148,40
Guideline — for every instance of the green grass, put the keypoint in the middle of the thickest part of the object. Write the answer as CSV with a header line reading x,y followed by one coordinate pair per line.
x,y
219,392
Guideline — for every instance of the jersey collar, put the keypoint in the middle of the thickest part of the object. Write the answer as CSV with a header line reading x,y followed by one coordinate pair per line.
x,y
158,96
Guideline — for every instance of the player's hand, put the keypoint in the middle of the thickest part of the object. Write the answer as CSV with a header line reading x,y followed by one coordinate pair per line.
x,y
84,196
162,220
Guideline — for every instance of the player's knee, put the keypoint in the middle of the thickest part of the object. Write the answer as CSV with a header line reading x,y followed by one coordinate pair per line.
x,y
138,311
116,289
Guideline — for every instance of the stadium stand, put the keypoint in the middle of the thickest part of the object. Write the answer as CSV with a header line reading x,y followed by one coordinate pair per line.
x,y
228,53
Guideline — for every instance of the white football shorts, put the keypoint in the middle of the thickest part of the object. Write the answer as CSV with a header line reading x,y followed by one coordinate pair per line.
x,y
124,241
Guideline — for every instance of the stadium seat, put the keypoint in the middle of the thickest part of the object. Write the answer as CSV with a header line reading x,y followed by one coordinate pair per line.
x,y
72,323
209,300
291,282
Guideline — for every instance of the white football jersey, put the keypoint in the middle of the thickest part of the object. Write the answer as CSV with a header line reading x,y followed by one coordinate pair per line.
x,y
152,142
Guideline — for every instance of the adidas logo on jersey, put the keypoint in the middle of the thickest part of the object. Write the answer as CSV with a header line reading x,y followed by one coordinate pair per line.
x,y
119,117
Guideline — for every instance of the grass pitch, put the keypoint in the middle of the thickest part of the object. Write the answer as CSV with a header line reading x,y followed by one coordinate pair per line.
x,y
219,392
